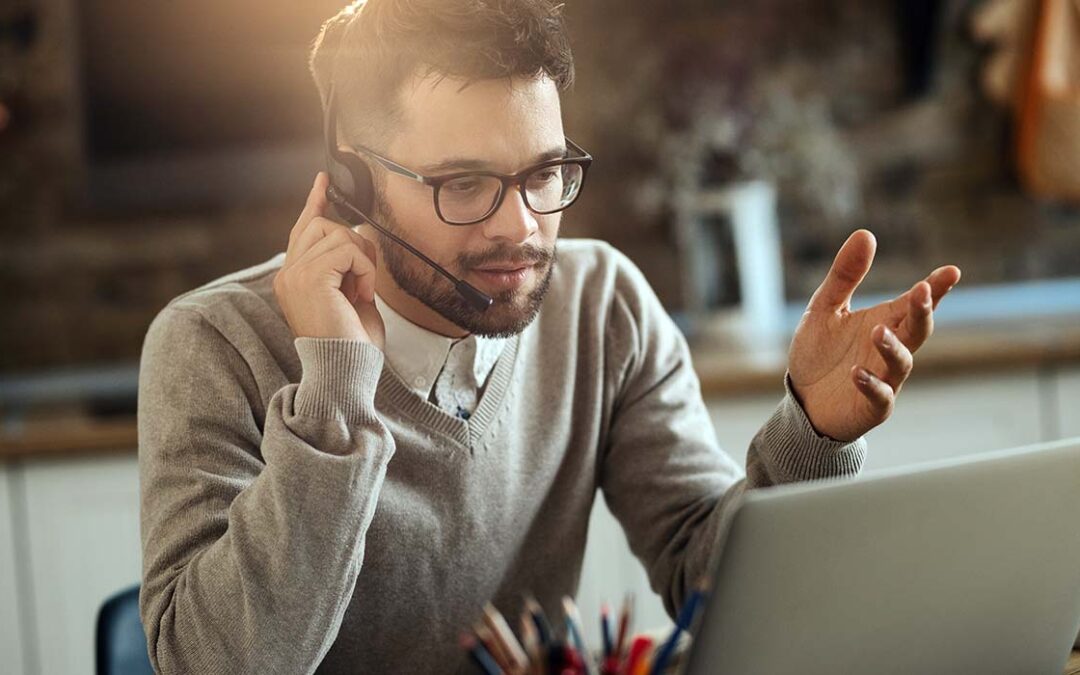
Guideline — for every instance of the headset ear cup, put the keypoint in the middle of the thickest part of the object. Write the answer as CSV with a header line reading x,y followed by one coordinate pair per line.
x,y
353,178
363,184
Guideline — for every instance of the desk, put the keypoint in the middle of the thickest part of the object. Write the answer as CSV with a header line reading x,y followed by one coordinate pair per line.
x,y
1072,666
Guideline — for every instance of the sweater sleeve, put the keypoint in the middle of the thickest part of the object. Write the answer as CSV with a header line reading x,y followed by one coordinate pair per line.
x,y
252,538
663,474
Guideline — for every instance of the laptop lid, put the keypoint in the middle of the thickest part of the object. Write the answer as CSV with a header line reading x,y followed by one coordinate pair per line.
x,y
960,566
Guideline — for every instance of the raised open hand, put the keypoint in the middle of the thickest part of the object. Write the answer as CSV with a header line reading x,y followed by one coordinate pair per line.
x,y
847,367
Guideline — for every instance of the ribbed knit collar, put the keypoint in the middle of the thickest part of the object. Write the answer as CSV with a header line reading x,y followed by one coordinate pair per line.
x,y
393,392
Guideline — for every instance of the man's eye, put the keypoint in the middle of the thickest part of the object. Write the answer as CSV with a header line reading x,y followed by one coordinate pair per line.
x,y
545,176
462,185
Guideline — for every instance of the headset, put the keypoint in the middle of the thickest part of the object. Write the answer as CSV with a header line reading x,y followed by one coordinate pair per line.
x,y
354,205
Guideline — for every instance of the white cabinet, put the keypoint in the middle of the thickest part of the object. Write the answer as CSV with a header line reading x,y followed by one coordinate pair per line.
x,y
941,418
1067,404
83,529
934,418
11,632
738,418
609,571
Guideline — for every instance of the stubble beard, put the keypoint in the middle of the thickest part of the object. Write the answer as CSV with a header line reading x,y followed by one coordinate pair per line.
x,y
511,311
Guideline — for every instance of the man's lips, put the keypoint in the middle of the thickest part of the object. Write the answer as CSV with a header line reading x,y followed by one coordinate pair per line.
x,y
505,268
504,277
502,269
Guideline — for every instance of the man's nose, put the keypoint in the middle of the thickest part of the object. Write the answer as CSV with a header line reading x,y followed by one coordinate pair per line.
x,y
513,221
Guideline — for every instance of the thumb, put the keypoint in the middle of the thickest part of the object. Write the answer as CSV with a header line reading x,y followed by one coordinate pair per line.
x,y
849,268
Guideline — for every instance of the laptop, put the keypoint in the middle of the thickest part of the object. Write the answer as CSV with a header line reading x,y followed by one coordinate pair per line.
x,y
968,566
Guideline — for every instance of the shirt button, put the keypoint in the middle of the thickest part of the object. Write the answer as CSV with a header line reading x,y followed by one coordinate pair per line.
x,y
419,382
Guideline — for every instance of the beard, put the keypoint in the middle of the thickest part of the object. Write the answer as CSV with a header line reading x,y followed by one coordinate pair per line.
x,y
511,311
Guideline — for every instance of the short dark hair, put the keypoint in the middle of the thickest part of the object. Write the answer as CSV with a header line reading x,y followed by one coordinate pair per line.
x,y
371,47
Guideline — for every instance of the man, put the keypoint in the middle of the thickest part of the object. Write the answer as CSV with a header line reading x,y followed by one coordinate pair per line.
x,y
341,460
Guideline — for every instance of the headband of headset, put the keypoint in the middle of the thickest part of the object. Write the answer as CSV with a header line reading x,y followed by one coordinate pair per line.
x,y
348,172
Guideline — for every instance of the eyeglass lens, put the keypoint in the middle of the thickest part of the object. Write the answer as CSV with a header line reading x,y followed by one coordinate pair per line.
x,y
547,190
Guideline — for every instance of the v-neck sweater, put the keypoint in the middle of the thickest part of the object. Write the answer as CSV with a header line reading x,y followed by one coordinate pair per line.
x,y
303,510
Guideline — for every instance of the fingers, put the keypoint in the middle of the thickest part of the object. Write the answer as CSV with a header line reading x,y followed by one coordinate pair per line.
x,y
918,322
849,268
913,312
941,282
897,357
346,260
315,206
318,229
879,395
366,288
334,235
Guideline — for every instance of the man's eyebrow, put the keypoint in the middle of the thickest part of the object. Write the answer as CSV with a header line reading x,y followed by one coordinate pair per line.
x,y
469,164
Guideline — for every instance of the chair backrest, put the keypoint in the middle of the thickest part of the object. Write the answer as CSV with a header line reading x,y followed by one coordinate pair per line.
x,y
121,642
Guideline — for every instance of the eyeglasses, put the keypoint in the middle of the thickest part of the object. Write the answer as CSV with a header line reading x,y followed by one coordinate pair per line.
x,y
469,197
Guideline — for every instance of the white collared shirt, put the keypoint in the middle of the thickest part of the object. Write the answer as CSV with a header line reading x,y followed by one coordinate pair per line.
x,y
450,372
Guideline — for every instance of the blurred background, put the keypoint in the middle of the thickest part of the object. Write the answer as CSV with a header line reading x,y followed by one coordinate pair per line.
x,y
147,148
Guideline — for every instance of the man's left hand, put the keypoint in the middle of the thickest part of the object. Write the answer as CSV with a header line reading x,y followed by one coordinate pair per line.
x,y
847,367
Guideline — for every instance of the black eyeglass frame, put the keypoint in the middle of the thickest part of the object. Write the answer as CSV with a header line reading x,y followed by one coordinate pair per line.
x,y
507,180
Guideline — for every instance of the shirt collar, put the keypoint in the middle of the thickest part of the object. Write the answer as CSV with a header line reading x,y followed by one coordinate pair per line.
x,y
417,355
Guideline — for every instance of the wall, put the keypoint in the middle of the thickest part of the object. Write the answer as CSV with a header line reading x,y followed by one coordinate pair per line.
x,y
811,94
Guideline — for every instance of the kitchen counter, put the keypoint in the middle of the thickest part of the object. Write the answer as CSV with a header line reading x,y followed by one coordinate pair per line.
x,y
953,349
964,342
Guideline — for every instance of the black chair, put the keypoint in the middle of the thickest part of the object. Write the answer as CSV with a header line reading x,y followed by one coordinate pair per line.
x,y
121,642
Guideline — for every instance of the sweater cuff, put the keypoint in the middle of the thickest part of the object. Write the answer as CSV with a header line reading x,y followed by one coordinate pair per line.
x,y
339,378
798,452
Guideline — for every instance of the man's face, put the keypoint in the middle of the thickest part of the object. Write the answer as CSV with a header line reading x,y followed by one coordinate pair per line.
x,y
494,125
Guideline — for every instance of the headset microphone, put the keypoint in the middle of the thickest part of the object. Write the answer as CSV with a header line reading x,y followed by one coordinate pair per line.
x,y
470,293
364,194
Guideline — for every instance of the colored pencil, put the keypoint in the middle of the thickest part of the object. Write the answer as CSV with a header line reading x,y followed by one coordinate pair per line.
x,y
573,627
509,645
542,625
624,626
531,640
605,629
682,622
492,645
480,655
639,649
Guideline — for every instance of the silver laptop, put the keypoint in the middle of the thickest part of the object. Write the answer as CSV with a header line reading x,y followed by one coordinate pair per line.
x,y
965,566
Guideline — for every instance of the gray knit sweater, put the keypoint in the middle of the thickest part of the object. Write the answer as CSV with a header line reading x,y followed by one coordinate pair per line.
x,y
304,511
